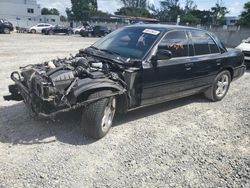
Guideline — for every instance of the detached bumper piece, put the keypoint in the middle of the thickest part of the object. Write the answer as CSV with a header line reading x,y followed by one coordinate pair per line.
x,y
15,94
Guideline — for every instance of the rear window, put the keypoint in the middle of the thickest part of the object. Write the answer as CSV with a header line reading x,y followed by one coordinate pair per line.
x,y
203,43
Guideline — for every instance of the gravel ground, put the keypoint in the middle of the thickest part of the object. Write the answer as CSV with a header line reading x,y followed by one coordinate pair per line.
x,y
184,143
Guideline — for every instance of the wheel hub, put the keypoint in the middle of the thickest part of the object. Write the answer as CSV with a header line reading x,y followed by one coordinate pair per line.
x,y
108,114
222,85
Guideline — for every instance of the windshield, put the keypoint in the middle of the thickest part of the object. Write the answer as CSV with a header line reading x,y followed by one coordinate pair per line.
x,y
132,42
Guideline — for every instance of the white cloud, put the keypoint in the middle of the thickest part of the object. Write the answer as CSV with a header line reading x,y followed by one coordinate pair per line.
x,y
110,6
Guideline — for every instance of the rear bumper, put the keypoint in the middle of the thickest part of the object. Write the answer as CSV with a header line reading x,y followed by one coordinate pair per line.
x,y
239,71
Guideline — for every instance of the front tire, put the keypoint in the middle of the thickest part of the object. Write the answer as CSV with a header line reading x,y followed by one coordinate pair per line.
x,y
220,86
97,117
6,31
33,31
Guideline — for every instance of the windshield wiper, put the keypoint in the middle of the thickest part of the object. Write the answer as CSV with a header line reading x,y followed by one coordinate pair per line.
x,y
110,52
105,50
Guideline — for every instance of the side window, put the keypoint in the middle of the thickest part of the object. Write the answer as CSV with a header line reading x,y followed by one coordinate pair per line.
x,y
203,43
30,10
176,42
212,46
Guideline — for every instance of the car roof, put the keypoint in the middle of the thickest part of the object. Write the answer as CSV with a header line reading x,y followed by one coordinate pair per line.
x,y
164,27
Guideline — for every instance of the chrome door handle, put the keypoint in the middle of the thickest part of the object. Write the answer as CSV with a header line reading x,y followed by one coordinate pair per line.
x,y
189,64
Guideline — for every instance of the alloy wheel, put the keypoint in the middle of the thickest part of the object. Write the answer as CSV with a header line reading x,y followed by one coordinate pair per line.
x,y
222,85
108,114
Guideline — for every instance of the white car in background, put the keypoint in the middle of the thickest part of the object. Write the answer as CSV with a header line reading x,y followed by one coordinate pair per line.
x,y
245,48
39,27
78,29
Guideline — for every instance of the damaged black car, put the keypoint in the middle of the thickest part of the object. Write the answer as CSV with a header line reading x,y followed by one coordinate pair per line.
x,y
132,67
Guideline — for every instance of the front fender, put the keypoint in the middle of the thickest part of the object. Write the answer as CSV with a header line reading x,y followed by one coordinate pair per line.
x,y
89,84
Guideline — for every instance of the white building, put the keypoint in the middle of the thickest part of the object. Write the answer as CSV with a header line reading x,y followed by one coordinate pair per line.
x,y
25,13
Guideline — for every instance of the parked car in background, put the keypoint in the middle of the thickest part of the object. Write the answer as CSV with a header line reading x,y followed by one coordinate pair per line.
x,y
96,31
5,26
132,67
57,29
245,48
39,27
78,29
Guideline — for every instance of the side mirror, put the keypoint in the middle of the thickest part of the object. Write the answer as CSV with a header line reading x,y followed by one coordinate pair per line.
x,y
161,54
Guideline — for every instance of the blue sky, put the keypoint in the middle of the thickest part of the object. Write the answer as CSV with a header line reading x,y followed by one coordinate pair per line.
x,y
235,6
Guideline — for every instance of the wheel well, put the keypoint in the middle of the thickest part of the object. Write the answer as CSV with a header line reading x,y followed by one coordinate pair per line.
x,y
231,72
122,101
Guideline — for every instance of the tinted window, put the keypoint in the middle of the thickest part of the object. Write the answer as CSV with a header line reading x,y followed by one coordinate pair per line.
x,y
176,42
212,46
203,43
200,42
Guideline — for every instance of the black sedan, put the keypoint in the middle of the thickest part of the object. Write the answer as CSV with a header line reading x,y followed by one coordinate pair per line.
x,y
132,67
96,31
58,29
5,26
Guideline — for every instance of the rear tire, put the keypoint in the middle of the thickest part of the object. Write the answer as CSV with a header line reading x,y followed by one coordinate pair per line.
x,y
98,116
220,86
51,32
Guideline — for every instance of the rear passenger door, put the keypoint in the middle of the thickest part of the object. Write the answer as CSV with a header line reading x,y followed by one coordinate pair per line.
x,y
206,58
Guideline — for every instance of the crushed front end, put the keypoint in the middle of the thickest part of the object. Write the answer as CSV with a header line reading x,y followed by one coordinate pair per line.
x,y
53,87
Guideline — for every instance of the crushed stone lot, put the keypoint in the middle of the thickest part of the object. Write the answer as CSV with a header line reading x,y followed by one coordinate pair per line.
x,y
188,142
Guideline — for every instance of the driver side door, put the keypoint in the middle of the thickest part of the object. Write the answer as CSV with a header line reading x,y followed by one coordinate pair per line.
x,y
169,78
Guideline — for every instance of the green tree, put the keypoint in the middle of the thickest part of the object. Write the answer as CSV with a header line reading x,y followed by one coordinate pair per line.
x,y
69,14
245,16
205,16
134,11
169,11
63,18
189,18
135,3
190,5
219,11
45,11
82,10
53,11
